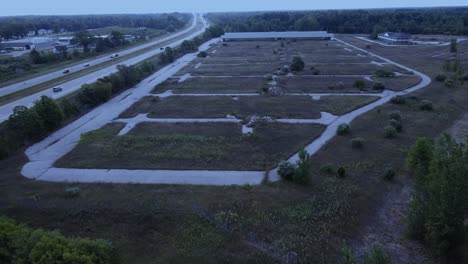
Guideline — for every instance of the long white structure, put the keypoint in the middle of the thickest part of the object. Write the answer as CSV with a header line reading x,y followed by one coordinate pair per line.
x,y
287,35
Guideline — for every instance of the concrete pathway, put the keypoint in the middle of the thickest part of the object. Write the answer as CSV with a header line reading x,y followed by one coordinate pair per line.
x,y
44,154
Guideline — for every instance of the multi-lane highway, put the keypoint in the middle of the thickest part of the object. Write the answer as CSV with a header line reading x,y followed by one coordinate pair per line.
x,y
81,66
73,85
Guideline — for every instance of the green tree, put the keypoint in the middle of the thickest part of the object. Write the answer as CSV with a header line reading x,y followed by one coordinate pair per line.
x,y
297,64
69,109
36,57
26,122
303,168
453,46
83,38
377,256
50,113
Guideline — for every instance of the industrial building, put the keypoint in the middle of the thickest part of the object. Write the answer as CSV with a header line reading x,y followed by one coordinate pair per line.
x,y
28,44
287,35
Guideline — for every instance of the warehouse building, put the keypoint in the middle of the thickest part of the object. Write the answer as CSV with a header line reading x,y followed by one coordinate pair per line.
x,y
289,35
28,44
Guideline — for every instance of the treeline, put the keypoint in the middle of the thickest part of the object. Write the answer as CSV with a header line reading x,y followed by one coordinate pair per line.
x,y
22,244
414,21
29,125
19,26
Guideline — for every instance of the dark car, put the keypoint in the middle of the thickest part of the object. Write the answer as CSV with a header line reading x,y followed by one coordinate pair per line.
x,y
86,65
57,89
66,71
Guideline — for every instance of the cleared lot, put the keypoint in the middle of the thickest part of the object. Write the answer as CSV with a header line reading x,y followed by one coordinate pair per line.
x,y
190,146
294,107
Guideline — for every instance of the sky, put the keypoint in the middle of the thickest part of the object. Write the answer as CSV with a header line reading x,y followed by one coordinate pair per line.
x,y
69,7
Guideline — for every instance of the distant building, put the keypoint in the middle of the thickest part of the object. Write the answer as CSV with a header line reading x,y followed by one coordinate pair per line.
x,y
29,44
289,35
395,38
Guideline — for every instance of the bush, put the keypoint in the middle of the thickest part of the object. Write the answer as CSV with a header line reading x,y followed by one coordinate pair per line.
x,y
327,168
359,84
396,124
449,83
440,77
202,54
21,244
343,129
378,86
377,256
398,100
341,172
426,105
395,115
286,170
358,143
390,132
384,73
302,172
389,174
297,64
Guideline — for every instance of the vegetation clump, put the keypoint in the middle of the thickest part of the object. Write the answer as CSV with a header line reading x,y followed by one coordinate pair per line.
x,y
441,77
359,84
378,86
297,64
384,73
21,244
358,143
302,172
389,174
202,54
343,129
341,172
286,170
426,105
390,131
398,100
327,168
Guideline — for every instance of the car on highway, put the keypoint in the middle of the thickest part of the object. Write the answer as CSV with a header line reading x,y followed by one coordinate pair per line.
x,y
161,48
66,71
86,65
57,89
114,55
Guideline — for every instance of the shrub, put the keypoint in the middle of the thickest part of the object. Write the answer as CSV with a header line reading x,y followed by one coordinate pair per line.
x,y
257,47
440,77
398,100
343,129
341,172
390,132
426,105
384,73
327,168
297,64
359,84
395,115
202,54
368,46
358,143
378,86
316,72
377,256
449,83
389,174
286,170
396,124
302,172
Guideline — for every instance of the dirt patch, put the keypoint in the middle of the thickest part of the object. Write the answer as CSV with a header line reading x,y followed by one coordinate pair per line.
x,y
459,130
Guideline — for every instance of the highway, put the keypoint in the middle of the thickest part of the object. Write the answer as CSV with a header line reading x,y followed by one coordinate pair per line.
x,y
73,85
78,67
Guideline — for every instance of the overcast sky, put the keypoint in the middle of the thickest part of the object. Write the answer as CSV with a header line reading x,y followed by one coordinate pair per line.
x,y
66,7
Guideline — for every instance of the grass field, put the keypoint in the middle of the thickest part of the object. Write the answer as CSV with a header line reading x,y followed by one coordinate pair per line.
x,y
190,146
213,85
295,107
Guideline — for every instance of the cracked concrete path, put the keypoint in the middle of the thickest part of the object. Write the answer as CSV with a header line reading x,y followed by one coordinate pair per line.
x,y
44,154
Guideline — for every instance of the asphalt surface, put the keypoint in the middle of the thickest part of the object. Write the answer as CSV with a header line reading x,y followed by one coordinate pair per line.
x,y
73,85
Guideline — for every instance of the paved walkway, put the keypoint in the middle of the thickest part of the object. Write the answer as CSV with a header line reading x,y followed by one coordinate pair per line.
x,y
44,154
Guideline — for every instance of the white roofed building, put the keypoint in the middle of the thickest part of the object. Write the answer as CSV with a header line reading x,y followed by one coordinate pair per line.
x,y
287,35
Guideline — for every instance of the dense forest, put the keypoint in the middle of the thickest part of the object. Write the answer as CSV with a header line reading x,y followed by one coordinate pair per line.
x,y
414,21
11,27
